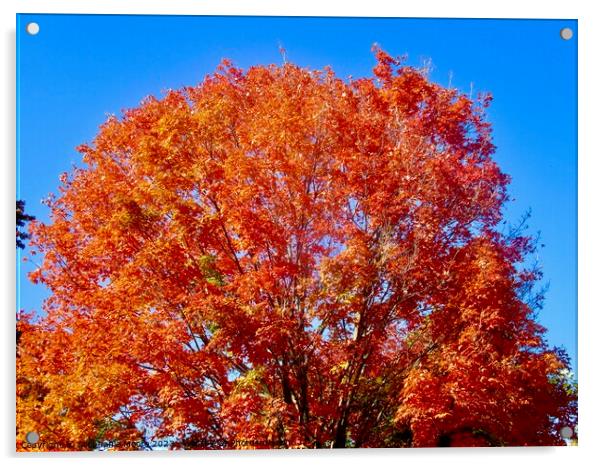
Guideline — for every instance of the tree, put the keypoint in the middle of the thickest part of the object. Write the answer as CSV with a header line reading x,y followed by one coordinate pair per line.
x,y
280,258
22,219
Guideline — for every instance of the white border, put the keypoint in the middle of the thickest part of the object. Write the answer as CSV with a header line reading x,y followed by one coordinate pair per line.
x,y
590,41
424,8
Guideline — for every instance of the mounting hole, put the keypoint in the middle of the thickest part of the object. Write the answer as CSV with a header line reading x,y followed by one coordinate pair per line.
x,y
32,28
566,33
32,437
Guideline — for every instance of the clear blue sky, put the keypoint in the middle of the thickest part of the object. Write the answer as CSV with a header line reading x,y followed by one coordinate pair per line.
x,y
80,68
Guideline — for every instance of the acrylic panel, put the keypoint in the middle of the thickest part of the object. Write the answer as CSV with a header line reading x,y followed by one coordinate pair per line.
x,y
278,232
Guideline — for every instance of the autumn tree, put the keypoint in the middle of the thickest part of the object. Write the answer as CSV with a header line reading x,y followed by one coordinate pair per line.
x,y
281,258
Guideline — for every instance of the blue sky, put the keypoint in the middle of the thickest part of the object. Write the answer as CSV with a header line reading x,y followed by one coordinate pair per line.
x,y
79,69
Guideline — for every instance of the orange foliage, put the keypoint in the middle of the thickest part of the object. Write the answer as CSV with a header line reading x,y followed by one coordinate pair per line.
x,y
280,258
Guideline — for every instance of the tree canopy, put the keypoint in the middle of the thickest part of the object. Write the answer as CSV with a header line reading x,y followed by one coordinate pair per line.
x,y
278,257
